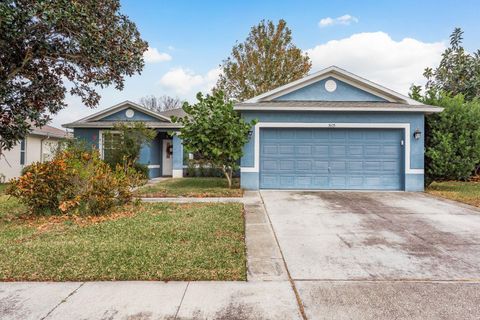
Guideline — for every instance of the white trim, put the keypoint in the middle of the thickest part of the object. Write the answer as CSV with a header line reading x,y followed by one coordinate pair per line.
x,y
177,173
100,140
341,75
153,166
115,108
349,109
259,125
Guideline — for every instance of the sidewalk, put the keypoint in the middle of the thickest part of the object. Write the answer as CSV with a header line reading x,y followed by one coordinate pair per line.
x,y
148,300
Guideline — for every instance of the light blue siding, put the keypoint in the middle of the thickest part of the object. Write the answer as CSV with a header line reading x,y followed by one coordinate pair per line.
x,y
151,154
331,159
177,153
317,92
88,135
120,116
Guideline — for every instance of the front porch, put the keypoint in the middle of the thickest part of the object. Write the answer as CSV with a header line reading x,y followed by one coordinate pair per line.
x,y
163,156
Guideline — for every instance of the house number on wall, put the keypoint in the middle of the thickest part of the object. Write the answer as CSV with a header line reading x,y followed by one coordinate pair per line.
x,y
331,125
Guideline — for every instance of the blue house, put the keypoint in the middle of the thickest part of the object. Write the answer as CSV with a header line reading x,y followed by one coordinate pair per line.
x,y
329,130
334,130
163,156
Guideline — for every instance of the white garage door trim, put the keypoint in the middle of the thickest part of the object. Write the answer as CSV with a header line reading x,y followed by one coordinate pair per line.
x,y
259,125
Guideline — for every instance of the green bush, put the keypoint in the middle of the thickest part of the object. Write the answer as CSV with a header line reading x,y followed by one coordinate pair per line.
x,y
141,169
453,140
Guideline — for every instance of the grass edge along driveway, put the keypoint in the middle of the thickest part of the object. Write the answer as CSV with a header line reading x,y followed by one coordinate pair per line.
x,y
150,241
463,191
191,187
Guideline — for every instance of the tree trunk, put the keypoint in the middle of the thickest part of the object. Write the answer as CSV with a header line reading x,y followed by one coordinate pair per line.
x,y
228,175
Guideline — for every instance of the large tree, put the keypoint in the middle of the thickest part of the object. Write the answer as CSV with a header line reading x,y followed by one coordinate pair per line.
x,y
458,72
51,48
265,60
161,103
215,132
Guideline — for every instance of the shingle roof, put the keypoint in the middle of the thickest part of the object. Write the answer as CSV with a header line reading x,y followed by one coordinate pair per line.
x,y
174,112
49,131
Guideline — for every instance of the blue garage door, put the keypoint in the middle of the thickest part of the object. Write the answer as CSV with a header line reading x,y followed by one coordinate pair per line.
x,y
331,159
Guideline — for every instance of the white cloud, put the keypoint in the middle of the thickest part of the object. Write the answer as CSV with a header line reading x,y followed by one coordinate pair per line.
x,y
186,83
346,20
379,58
152,55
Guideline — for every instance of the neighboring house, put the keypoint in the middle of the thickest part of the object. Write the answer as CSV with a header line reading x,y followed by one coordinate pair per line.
x,y
334,130
163,156
329,130
39,145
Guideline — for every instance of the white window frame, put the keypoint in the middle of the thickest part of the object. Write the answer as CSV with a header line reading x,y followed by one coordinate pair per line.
x,y
259,125
24,152
101,141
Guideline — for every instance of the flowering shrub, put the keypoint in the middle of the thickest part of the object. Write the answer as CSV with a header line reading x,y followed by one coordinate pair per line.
x,y
74,182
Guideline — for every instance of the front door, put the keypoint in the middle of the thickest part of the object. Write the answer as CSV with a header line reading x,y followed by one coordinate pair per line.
x,y
167,158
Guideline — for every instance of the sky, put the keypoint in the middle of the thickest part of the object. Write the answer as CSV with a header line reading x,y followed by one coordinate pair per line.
x,y
388,42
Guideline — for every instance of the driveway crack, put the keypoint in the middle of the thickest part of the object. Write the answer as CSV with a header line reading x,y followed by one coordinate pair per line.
x,y
181,300
292,282
63,300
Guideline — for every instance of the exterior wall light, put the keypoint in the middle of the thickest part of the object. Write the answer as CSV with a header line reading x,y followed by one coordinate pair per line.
x,y
250,134
417,134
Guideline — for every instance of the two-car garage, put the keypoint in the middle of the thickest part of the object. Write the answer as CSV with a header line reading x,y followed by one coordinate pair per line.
x,y
331,158
334,130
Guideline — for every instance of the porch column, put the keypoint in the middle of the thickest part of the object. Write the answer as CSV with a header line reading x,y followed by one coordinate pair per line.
x,y
177,171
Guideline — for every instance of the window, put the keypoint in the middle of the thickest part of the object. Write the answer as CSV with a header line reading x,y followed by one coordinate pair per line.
x,y
23,144
110,141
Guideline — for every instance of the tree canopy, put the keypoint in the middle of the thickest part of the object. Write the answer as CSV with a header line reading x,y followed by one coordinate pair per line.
x,y
265,60
458,72
215,132
51,48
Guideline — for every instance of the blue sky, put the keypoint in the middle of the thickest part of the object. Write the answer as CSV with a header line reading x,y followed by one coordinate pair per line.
x,y
389,42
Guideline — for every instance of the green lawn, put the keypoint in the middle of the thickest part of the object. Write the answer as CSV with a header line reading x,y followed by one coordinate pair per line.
x,y
191,187
162,241
3,186
467,192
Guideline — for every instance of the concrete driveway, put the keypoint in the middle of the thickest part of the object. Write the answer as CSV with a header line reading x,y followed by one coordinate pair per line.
x,y
379,254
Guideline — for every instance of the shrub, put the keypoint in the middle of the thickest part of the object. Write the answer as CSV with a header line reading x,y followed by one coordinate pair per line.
x,y
453,140
44,186
141,169
74,182
128,140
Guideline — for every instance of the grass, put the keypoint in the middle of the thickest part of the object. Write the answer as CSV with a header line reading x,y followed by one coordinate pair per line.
x,y
466,192
9,206
162,241
3,186
191,187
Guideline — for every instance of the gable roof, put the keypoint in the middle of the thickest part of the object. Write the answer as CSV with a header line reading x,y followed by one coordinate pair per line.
x,y
341,74
93,118
393,101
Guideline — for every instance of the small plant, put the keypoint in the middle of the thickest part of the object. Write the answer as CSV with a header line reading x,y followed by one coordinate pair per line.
x,y
127,140
191,168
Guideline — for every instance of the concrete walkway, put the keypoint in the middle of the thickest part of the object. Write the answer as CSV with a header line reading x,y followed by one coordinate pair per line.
x,y
147,300
192,200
